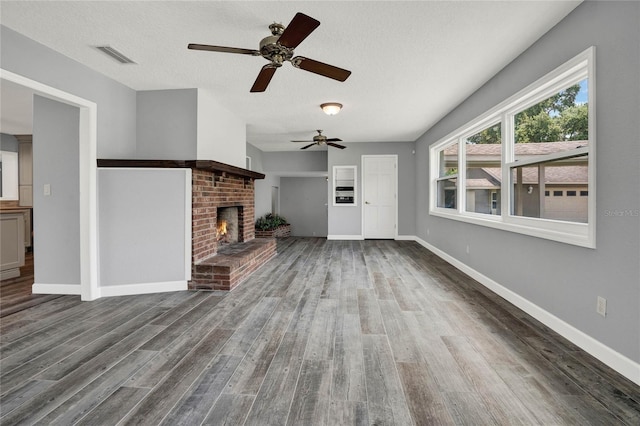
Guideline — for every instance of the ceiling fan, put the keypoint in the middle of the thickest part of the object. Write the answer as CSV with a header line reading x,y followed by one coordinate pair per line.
x,y
321,139
278,47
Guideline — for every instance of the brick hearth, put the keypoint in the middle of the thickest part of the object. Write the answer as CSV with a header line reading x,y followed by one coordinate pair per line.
x,y
232,264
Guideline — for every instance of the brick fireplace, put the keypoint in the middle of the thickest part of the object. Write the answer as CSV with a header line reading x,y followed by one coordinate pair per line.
x,y
225,192
219,262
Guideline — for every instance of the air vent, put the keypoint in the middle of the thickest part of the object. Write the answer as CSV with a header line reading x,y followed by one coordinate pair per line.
x,y
115,54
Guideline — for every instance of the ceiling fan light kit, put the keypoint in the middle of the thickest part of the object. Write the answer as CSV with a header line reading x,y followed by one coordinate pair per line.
x,y
331,108
278,48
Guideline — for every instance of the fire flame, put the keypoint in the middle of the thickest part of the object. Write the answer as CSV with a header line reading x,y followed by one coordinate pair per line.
x,y
222,227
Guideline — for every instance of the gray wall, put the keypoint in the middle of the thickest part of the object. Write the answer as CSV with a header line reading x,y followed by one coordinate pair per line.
x,y
295,161
142,225
167,124
262,194
303,201
116,102
565,280
348,220
8,143
275,166
56,218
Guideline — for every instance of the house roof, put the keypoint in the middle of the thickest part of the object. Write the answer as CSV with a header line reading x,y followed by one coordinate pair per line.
x,y
566,175
538,148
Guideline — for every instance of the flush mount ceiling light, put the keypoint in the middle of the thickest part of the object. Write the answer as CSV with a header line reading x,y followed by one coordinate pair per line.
x,y
331,108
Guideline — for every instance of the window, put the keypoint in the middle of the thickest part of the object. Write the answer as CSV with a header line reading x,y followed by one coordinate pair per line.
x,y
448,177
522,157
483,153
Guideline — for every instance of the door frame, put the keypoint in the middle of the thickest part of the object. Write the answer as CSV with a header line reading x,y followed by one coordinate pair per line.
x,y
364,183
88,137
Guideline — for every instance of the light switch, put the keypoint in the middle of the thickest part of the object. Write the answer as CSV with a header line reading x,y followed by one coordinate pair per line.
x,y
47,189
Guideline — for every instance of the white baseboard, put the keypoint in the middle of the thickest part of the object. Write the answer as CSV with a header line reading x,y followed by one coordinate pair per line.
x,y
72,289
623,365
405,238
345,237
143,288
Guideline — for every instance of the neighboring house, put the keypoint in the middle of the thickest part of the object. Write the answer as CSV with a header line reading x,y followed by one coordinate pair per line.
x,y
565,185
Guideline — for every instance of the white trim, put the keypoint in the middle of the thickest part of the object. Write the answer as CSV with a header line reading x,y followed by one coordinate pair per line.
x,y
73,289
580,234
88,137
143,288
188,218
623,365
345,237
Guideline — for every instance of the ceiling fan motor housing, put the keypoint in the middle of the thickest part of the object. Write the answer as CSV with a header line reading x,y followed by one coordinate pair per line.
x,y
273,51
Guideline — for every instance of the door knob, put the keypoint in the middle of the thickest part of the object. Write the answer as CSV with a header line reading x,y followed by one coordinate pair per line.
x,y
366,202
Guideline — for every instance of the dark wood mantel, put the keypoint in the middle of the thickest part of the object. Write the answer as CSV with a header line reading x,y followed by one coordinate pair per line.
x,y
208,165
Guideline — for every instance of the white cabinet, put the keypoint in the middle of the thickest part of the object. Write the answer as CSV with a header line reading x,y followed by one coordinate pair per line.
x,y
12,228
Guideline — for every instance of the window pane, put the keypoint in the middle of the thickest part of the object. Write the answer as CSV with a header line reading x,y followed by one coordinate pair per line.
x,y
564,178
447,193
449,161
557,124
483,154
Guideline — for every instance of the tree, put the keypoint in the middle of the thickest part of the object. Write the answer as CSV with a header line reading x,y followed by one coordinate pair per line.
x,y
575,123
487,136
557,118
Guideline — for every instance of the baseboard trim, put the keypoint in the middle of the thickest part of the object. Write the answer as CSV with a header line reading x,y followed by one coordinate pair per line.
x,y
623,365
143,288
345,237
71,289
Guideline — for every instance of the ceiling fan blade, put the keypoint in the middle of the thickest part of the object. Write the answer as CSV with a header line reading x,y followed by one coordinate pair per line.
x,y
224,49
334,140
303,141
320,68
305,147
299,28
335,145
263,79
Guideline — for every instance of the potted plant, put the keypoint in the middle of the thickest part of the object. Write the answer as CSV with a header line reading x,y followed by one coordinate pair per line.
x,y
272,225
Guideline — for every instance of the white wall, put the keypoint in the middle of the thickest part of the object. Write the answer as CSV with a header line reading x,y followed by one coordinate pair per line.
x,y
222,135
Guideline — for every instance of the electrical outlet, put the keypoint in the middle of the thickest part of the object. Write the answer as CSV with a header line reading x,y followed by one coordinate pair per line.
x,y
601,307
47,189
427,231
467,248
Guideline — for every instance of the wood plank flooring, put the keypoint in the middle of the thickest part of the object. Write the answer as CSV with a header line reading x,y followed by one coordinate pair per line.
x,y
327,333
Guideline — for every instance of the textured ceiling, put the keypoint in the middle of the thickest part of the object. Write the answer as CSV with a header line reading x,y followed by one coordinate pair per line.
x,y
411,62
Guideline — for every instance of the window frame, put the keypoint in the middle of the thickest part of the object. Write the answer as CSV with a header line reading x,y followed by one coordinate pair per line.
x,y
581,234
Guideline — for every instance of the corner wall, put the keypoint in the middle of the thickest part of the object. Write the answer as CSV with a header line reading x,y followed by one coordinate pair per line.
x,y
561,279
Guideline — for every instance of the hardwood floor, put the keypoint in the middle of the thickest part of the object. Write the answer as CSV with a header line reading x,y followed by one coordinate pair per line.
x,y
328,332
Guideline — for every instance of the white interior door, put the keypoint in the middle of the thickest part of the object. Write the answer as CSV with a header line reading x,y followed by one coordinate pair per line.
x,y
379,191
